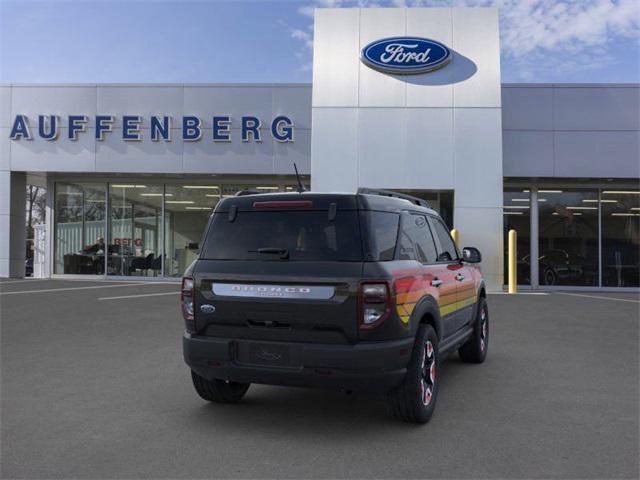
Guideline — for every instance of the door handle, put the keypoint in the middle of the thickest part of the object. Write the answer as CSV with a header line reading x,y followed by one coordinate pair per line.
x,y
460,277
436,282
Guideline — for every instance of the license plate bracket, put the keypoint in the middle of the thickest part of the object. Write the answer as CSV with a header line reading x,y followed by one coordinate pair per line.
x,y
264,354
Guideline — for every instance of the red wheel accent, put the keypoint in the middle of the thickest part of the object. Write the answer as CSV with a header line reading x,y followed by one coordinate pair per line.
x,y
428,373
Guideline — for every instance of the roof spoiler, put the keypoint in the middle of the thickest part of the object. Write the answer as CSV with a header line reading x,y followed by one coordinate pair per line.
x,y
389,193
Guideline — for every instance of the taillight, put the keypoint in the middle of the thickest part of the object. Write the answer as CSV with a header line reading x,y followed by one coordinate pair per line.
x,y
187,294
374,304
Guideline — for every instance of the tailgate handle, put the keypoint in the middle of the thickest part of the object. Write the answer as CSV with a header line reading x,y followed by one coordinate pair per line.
x,y
268,323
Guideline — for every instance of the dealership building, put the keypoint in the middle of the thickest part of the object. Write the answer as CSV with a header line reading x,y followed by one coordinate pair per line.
x,y
132,171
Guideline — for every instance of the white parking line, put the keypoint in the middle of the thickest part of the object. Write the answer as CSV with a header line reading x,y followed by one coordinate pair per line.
x,y
138,296
599,297
47,290
519,293
25,280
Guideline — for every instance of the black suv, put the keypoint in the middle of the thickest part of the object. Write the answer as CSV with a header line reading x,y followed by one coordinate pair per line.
x,y
362,291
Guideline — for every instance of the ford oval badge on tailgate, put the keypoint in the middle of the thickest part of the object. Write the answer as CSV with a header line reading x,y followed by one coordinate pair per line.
x,y
405,55
206,308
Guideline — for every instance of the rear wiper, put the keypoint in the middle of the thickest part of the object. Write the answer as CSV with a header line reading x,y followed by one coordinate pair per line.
x,y
283,252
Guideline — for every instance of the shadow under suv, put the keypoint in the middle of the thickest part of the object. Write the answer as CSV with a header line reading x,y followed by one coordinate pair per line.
x,y
362,291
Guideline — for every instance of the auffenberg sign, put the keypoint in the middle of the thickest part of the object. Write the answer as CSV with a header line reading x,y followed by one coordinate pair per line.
x,y
49,127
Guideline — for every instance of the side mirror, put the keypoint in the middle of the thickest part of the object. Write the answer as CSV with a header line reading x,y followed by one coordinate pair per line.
x,y
471,255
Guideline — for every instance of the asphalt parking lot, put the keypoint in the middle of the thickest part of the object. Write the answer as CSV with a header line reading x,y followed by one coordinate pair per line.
x,y
95,387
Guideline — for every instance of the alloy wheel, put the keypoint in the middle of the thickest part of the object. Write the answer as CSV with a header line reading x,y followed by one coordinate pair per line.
x,y
428,373
484,329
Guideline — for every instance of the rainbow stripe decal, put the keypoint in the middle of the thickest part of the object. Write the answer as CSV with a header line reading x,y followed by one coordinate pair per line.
x,y
410,289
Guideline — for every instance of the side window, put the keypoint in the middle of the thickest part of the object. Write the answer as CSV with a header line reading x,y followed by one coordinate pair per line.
x,y
426,241
406,247
416,242
381,234
447,250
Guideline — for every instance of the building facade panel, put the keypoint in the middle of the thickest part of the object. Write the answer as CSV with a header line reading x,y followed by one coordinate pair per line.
x,y
597,154
483,230
5,149
298,152
144,100
295,102
477,154
331,143
53,100
528,153
5,107
143,156
597,108
429,149
12,221
376,89
476,67
234,101
435,24
228,157
595,130
382,157
527,108
336,42
62,155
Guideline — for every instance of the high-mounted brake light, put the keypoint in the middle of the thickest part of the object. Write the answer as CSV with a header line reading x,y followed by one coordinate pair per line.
x,y
284,204
374,304
187,294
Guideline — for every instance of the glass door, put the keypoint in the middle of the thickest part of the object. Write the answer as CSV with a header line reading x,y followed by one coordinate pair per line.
x,y
135,216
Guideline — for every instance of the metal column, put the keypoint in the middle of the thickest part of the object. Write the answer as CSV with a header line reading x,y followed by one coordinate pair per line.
x,y
534,237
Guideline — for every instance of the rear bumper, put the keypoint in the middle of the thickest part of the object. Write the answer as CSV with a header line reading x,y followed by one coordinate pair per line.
x,y
366,366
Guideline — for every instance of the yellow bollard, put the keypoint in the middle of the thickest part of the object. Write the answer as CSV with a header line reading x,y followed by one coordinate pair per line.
x,y
513,273
455,234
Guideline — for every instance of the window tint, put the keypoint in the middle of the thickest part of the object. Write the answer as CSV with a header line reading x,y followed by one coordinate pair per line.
x,y
448,250
294,235
416,242
425,241
381,236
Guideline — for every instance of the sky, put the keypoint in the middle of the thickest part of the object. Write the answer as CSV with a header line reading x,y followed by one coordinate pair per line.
x,y
213,41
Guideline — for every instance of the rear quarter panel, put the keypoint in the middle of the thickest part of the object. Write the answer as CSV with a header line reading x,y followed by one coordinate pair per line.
x,y
411,294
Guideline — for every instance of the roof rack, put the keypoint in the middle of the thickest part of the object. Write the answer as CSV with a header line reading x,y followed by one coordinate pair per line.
x,y
389,193
249,191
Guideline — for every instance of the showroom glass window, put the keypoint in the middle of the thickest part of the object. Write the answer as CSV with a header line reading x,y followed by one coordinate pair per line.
x,y
568,237
620,238
187,209
517,216
135,216
79,230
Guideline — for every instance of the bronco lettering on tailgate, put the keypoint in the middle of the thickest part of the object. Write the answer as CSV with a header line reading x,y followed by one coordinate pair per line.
x,y
273,291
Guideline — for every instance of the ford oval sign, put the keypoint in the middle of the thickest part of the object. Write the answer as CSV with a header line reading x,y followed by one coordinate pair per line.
x,y
405,55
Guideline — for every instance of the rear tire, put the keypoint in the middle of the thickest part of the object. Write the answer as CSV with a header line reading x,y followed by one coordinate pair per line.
x,y
219,391
414,400
475,349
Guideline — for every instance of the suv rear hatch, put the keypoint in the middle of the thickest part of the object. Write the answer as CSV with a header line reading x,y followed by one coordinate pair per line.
x,y
281,267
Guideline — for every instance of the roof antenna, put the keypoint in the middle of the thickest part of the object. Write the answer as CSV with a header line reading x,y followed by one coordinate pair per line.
x,y
300,186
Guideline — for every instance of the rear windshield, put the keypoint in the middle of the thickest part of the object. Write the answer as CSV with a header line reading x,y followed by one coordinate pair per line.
x,y
284,235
